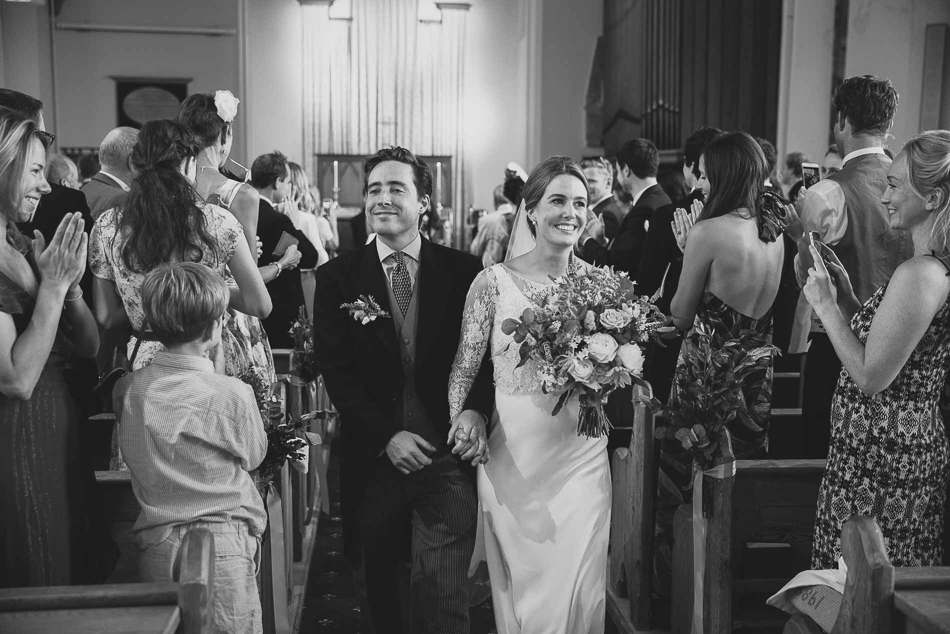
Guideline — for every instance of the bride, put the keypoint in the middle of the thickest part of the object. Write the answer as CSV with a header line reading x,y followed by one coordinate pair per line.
x,y
544,498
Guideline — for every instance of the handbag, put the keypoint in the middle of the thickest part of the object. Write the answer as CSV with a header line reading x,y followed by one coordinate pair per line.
x,y
107,381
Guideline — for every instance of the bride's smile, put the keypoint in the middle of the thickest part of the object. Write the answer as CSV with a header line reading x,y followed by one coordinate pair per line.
x,y
561,215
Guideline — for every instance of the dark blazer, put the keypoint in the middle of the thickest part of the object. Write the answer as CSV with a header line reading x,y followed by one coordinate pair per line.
x,y
361,366
608,211
285,290
50,212
661,252
626,250
102,193
358,229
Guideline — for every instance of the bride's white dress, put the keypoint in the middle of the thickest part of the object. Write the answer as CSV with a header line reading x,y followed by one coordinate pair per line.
x,y
544,496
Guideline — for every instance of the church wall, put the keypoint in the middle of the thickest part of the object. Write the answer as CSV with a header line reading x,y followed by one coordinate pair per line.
x,y
886,37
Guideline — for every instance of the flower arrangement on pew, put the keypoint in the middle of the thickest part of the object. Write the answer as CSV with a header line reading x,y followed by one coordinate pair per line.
x,y
699,419
287,437
304,364
586,340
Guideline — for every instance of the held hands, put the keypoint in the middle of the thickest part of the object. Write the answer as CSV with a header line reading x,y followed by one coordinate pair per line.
x,y
291,258
683,221
63,261
469,437
409,452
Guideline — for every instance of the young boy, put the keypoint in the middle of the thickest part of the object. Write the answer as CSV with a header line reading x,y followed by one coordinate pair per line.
x,y
189,437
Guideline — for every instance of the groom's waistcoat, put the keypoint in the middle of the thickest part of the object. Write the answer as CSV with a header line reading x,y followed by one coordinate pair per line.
x,y
411,414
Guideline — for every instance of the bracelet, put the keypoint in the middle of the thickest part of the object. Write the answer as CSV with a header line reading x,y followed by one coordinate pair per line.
x,y
76,298
280,269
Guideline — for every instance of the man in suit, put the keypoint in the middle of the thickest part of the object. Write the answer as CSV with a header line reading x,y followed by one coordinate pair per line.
x,y
110,186
662,263
270,176
637,164
600,181
61,170
389,380
846,211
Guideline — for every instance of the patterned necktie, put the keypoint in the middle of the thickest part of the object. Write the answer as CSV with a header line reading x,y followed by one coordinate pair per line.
x,y
402,285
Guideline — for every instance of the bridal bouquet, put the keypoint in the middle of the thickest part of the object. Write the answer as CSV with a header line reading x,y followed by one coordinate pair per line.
x,y
586,340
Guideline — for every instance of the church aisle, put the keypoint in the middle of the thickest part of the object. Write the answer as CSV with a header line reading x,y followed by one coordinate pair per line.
x,y
330,603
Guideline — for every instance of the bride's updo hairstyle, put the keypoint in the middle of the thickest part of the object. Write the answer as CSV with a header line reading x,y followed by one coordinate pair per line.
x,y
542,175
160,220
737,170
200,115
928,171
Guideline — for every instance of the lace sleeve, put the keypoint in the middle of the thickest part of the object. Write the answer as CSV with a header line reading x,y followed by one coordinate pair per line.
x,y
476,331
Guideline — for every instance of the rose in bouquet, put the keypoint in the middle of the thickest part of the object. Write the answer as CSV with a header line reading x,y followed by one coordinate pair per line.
x,y
585,339
709,397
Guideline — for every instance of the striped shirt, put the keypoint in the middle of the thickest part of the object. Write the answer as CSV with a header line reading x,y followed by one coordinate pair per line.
x,y
189,437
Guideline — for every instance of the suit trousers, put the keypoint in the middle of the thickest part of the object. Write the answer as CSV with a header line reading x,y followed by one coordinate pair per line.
x,y
441,503
822,368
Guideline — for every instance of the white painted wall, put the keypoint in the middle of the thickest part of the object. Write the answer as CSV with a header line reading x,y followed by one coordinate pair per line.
x,y
26,59
569,37
86,61
886,37
805,84
274,78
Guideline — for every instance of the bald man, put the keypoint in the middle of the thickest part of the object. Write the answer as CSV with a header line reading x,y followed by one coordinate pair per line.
x,y
110,186
61,170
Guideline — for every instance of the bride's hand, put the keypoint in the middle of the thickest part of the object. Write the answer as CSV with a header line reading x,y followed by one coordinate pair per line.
x,y
469,437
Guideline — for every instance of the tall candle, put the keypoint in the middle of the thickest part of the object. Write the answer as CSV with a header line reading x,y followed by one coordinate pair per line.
x,y
336,175
438,182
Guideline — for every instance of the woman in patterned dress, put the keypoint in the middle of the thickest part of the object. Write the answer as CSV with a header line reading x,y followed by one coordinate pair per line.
x,y
43,317
209,116
889,452
162,221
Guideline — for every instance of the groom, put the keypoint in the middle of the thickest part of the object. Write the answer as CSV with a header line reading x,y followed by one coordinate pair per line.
x,y
389,380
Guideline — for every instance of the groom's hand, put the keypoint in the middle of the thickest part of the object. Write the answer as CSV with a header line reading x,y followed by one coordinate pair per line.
x,y
469,437
407,452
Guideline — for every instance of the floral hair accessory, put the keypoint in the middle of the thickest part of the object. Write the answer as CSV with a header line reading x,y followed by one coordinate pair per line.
x,y
365,309
227,105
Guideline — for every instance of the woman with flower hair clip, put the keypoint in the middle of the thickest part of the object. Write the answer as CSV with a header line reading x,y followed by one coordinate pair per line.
x,y
210,116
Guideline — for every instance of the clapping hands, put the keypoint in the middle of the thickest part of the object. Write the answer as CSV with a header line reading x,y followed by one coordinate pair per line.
x,y
683,221
63,260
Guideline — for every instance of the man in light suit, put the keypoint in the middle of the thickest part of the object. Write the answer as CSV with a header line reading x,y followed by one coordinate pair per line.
x,y
600,180
109,187
389,380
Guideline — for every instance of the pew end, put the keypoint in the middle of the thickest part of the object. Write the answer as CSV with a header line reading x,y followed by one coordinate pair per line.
x,y
134,607
882,599
630,558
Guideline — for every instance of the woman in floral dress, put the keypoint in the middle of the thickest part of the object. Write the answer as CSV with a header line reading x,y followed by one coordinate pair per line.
x,y
889,454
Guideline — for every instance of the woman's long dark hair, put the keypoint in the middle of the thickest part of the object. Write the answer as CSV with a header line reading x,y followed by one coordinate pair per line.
x,y
160,220
736,169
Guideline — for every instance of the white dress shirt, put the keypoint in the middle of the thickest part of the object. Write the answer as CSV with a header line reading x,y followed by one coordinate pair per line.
x,y
412,252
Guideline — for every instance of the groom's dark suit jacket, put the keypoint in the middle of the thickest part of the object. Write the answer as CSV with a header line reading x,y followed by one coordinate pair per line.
x,y
361,365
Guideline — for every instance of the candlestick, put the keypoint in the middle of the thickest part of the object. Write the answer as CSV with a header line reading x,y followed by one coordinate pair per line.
x,y
438,182
336,181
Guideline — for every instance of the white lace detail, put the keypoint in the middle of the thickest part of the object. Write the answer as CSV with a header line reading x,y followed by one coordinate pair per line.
x,y
511,303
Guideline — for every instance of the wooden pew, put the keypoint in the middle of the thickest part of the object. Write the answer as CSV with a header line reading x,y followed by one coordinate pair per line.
x,y
882,599
630,560
183,607
767,502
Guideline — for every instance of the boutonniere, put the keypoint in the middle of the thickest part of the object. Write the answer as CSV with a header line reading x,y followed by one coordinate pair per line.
x,y
365,309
